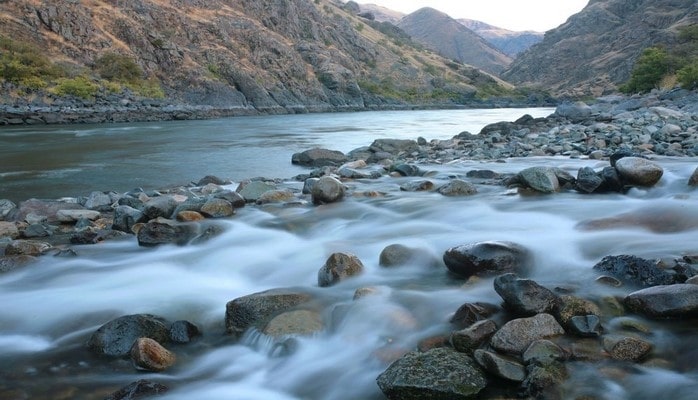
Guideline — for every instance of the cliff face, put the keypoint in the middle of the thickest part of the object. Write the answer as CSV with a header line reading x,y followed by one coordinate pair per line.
x,y
452,39
270,56
508,42
595,50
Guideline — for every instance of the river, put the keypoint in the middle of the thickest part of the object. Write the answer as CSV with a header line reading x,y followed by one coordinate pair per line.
x,y
52,307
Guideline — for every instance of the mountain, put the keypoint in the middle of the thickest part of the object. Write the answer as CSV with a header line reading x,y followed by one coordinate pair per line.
x,y
272,56
508,42
451,39
595,50
382,14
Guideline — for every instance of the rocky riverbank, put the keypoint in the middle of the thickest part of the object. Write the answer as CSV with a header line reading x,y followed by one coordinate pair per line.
x,y
533,343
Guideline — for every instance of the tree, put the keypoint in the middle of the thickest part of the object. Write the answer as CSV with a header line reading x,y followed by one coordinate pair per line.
x,y
650,68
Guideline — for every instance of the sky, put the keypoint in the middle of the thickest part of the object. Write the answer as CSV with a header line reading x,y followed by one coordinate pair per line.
x,y
515,15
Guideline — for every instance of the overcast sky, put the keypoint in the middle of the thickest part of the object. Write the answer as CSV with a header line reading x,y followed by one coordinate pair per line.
x,y
516,15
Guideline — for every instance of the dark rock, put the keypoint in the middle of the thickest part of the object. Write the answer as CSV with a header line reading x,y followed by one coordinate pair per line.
x,y
692,181
611,180
9,263
525,297
27,248
407,170
46,208
575,112
572,306
482,174
257,309
667,301
469,339
394,146
235,198
585,325
544,352
99,201
338,267
327,190
183,332
516,335
438,374
319,158
488,258
90,236
116,337
500,366
125,217
613,159
37,231
540,179
160,206
545,381
217,208
7,208
157,233
457,187
588,181
147,354
639,171
211,179
470,313
417,186
634,271
396,255
138,390
627,348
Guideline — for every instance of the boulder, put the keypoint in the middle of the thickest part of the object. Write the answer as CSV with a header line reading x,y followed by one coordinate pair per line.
x,y
575,112
540,179
99,201
327,190
8,230
147,354
235,198
396,255
9,263
525,297
318,157
276,196
666,301
638,171
125,217
257,309
338,267
138,390
457,187
588,181
72,216
417,186
35,231
45,208
499,366
295,323
183,332
211,179
627,348
693,180
156,233
516,335
189,216
394,146
438,374
6,209
469,339
116,337
217,208
488,258
634,271
572,306
470,313
26,248
544,352
160,206
585,325
407,170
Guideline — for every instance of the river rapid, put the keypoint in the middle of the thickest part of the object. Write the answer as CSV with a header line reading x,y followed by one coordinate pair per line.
x,y
51,307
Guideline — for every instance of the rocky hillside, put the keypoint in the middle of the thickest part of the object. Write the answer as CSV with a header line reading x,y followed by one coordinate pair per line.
x,y
382,14
595,50
508,42
451,39
245,56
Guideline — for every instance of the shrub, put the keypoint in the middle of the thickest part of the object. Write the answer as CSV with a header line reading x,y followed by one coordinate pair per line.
x,y
21,63
148,88
688,76
649,70
118,67
80,86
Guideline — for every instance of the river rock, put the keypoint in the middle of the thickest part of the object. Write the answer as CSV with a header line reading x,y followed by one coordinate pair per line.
x,y
693,180
338,267
6,209
295,323
159,206
156,233
575,112
396,255
516,335
138,390
45,208
234,198
525,297
318,157
98,201
627,348
639,171
572,306
125,217
407,170
488,258
394,146
217,208
438,374
36,231
183,331
540,179
9,263
189,216
470,313
468,339
585,325
417,186
8,230
327,190
588,181
208,179
457,187
276,196
26,247
72,216
544,352
666,301
544,381
147,354
500,366
634,271
116,337
257,309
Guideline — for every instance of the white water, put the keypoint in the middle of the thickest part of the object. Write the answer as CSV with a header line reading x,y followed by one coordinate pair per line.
x,y
50,308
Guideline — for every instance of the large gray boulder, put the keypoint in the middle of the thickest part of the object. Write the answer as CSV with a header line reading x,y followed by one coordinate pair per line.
x,y
256,310
634,270
516,335
327,190
639,171
488,258
525,297
318,157
116,337
666,301
338,267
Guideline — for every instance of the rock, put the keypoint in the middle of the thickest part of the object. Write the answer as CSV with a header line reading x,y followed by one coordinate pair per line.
x,y
6,209
26,248
257,309
438,374
208,179
499,366
36,231
99,201
457,187
44,208
588,181
8,230
516,335
394,146
327,190
544,352
693,180
639,171
217,208
540,179
488,258
666,301
544,381
396,255
627,348
585,325
71,216
156,233
276,196
407,170
634,271
189,216
468,339
160,206
417,186
149,355
94,236
183,332
234,198
575,112
525,297
319,158
470,313
116,337
33,218
9,263
125,218
338,267
295,323
138,390
572,306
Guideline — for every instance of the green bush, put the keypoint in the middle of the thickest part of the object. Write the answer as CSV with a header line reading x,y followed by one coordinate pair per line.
x,y
148,88
80,86
650,68
119,68
21,63
688,76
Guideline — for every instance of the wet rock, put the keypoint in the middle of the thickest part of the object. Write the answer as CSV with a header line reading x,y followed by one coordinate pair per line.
x,y
8,230
160,206
276,196
396,255
295,323
588,181
469,339
407,170
235,198
94,236
211,179
660,218
138,390
189,216
666,301
338,267
156,233
394,146
36,231
571,306
544,381
116,337
544,352
692,181
470,313
516,335
217,208
125,217
500,366
540,179
6,209
417,186
9,263
457,187
98,201
627,348
639,171
26,247
183,332
257,309
585,325
327,190
634,271
483,174
72,216
319,158
149,355
45,208
438,374
575,112
488,258
525,297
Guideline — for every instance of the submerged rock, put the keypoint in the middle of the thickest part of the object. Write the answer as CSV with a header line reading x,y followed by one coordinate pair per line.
x,y
338,267
116,337
138,390
488,258
634,271
524,296
257,309
666,301
457,187
147,354
319,158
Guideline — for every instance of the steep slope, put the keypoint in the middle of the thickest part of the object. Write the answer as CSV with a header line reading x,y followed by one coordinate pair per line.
x,y
271,56
451,39
508,42
595,50
382,14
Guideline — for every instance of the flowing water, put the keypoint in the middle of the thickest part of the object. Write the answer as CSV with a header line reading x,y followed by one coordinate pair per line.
x,y
50,309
